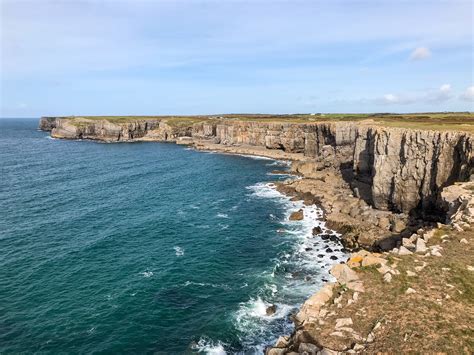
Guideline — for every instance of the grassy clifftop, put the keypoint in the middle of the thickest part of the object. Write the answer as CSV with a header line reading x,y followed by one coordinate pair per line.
x,y
456,121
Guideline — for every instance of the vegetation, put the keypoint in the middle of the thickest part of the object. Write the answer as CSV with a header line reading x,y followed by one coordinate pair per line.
x,y
451,121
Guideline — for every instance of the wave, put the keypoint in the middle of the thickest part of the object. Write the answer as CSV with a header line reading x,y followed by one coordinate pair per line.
x,y
206,284
285,163
222,215
179,251
255,157
207,346
147,274
299,271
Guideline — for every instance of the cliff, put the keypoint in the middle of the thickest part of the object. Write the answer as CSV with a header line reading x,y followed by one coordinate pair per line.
x,y
381,187
395,169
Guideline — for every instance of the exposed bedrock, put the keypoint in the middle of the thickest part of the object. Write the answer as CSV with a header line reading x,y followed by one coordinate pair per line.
x,y
394,169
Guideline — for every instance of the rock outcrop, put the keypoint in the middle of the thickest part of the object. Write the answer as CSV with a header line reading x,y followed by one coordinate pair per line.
x,y
394,169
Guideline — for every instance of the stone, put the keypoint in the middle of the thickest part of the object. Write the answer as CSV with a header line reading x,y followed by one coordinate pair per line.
x,y
404,251
408,244
373,260
343,273
354,261
270,310
470,268
276,351
370,337
435,252
383,269
358,347
398,226
356,286
282,342
420,247
410,291
384,223
387,277
317,230
312,305
421,267
326,351
342,322
338,334
411,273
458,228
308,349
464,241
297,216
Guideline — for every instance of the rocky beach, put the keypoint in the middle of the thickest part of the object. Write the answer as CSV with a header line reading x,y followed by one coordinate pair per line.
x,y
400,198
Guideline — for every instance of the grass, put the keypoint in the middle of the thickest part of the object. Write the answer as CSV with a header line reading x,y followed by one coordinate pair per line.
x,y
445,121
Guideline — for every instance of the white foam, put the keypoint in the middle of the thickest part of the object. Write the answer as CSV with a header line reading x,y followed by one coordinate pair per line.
x,y
179,251
306,256
206,284
222,215
210,347
266,190
255,157
147,273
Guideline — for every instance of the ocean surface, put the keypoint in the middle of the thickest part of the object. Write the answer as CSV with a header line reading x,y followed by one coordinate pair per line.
x,y
147,248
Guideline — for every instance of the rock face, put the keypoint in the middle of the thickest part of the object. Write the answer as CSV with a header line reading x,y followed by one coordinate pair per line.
x,y
392,169
407,169
47,123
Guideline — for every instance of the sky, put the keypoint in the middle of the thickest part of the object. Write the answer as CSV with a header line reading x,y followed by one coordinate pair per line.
x,y
148,57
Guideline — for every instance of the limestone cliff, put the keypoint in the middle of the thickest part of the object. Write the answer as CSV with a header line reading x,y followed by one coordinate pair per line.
x,y
393,169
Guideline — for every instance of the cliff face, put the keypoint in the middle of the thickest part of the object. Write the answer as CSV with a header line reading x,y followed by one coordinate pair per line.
x,y
407,169
47,123
391,168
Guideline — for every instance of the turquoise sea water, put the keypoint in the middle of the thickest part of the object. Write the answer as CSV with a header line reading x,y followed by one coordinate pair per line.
x,y
146,248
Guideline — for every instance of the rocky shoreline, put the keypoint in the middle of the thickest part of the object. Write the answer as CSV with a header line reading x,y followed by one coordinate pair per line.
x,y
387,191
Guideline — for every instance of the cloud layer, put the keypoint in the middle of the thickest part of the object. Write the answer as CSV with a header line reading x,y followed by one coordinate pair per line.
x,y
119,57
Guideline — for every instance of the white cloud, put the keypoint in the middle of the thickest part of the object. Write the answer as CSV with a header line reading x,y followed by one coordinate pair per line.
x,y
420,53
445,88
390,98
468,95
431,96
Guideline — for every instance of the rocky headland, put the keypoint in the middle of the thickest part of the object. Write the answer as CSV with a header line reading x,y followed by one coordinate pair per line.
x,y
398,196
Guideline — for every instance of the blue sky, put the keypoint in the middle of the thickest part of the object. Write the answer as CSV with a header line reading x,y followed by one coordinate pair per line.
x,y
193,57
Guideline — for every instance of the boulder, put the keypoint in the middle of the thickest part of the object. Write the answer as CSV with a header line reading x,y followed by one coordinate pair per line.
x,y
344,274
384,223
398,226
276,351
312,306
282,342
404,251
420,246
373,260
270,310
317,230
308,349
297,216
342,322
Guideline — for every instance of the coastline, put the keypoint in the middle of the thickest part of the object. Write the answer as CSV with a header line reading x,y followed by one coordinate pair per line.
x,y
323,184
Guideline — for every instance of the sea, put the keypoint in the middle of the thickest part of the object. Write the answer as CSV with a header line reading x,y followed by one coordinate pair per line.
x,y
148,247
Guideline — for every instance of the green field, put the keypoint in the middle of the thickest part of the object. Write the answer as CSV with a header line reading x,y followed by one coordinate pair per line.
x,y
453,121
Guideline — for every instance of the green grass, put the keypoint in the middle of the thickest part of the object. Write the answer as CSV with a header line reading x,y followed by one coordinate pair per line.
x,y
449,121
